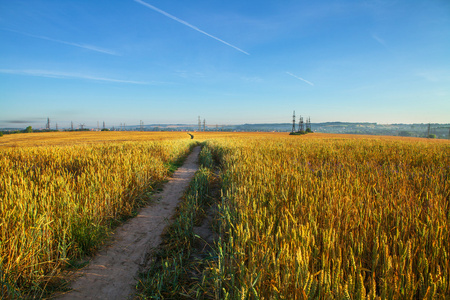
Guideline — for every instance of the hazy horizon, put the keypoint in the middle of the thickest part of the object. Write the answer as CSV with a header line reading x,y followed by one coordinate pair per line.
x,y
118,126
233,62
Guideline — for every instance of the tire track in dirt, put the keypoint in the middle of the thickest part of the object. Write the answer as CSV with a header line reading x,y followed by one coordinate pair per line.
x,y
112,273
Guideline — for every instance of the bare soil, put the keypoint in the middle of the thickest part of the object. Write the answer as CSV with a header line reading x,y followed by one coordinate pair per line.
x,y
112,273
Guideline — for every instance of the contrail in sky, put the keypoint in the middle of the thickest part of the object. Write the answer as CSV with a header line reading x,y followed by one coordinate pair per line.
x,y
299,78
84,46
66,75
188,25
378,39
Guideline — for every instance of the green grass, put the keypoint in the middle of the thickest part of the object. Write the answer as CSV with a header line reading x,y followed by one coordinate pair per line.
x,y
176,272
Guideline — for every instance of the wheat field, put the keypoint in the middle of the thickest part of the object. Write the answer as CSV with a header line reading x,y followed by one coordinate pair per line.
x,y
59,203
312,217
327,218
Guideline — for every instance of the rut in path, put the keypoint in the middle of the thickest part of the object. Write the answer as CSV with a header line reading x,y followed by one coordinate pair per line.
x,y
111,274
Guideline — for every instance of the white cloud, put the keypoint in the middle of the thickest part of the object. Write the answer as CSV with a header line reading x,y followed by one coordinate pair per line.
x,y
66,75
254,79
188,74
434,75
83,46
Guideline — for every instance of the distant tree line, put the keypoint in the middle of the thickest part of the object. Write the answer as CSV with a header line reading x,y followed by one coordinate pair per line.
x,y
29,129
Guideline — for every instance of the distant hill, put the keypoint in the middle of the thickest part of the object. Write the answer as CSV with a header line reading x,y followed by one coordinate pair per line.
x,y
414,130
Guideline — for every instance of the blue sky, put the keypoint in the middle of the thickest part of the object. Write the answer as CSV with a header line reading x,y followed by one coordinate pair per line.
x,y
229,62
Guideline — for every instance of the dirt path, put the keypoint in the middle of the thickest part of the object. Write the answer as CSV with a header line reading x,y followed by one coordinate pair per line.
x,y
112,273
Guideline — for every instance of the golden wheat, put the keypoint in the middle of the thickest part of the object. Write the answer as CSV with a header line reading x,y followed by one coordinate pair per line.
x,y
330,218
57,203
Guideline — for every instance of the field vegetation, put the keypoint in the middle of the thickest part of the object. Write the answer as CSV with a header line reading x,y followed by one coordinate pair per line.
x,y
333,219
318,216
57,138
58,203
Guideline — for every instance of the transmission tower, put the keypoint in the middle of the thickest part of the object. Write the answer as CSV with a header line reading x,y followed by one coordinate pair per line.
x,y
301,124
141,125
429,130
48,124
204,125
56,126
82,126
293,122
308,123
199,124
71,125
104,125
